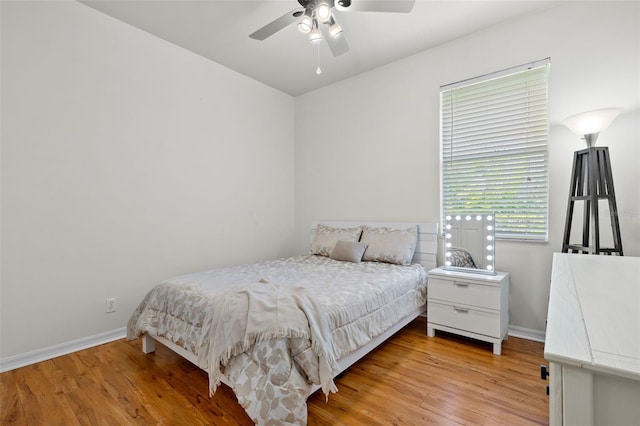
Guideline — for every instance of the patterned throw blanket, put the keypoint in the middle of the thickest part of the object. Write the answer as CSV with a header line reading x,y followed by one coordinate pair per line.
x,y
259,312
270,341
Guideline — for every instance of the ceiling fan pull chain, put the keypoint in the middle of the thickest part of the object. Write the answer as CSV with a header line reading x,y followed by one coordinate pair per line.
x,y
318,70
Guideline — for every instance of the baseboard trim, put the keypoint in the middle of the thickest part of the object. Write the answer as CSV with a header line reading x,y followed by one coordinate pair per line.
x,y
22,360
527,333
50,352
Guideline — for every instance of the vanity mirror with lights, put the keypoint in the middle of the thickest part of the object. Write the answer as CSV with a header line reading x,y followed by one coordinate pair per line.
x,y
466,295
469,242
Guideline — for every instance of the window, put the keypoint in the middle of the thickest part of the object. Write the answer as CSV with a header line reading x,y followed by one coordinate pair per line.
x,y
494,132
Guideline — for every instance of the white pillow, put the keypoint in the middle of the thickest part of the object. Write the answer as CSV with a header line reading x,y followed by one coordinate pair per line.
x,y
326,238
348,251
389,245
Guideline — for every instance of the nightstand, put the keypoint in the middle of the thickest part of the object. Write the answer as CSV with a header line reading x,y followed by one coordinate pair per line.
x,y
469,304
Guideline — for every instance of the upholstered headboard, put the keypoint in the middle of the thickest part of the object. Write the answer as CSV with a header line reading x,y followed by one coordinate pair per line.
x,y
426,248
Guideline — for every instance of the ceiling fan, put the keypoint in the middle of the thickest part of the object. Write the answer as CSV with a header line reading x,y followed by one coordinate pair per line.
x,y
316,19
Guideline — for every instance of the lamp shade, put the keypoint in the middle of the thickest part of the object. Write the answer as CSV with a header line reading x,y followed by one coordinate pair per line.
x,y
591,122
323,12
315,36
306,23
335,30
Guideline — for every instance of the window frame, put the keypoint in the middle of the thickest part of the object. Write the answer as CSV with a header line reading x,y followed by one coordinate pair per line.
x,y
532,148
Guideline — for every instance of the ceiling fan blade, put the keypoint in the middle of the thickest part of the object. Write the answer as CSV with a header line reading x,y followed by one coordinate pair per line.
x,y
397,6
277,24
338,45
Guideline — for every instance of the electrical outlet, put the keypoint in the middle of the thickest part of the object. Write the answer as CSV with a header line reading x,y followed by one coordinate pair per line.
x,y
111,305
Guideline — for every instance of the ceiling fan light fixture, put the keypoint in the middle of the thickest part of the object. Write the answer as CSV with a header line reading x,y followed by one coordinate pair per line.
x,y
314,35
323,12
306,23
334,29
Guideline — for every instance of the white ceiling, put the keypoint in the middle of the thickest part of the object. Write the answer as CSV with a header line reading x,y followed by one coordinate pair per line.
x,y
219,30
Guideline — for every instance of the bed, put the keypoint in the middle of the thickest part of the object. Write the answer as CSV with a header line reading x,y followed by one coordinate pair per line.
x,y
279,330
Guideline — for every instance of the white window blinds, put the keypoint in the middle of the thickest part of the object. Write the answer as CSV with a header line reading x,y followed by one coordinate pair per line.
x,y
494,133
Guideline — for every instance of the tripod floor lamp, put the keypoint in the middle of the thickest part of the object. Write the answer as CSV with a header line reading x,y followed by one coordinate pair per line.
x,y
592,182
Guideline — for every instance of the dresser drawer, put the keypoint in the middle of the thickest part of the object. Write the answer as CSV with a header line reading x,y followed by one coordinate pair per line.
x,y
464,292
464,318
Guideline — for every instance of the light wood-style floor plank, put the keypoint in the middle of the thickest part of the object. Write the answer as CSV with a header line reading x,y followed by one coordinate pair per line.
x,y
409,380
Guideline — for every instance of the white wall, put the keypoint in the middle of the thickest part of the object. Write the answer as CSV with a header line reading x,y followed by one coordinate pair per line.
x,y
367,148
126,160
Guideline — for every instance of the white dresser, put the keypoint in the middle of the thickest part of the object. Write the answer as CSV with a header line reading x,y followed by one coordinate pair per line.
x,y
469,304
593,340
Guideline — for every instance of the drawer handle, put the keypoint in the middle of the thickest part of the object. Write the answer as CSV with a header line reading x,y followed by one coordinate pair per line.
x,y
544,372
460,310
457,284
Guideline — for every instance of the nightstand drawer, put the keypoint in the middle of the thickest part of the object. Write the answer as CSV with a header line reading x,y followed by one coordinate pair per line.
x,y
464,318
464,292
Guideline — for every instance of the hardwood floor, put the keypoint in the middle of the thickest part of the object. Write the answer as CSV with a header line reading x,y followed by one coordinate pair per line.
x,y
409,380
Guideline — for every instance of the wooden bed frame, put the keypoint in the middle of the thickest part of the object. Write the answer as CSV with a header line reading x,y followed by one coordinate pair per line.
x,y
425,254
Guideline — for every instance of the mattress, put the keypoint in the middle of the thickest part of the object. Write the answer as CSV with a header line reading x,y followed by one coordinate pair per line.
x,y
355,302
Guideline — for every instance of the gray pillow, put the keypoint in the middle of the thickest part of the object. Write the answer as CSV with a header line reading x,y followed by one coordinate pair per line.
x,y
390,245
327,236
348,251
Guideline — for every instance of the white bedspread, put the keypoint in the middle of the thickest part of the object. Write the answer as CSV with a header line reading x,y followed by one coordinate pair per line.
x,y
272,376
